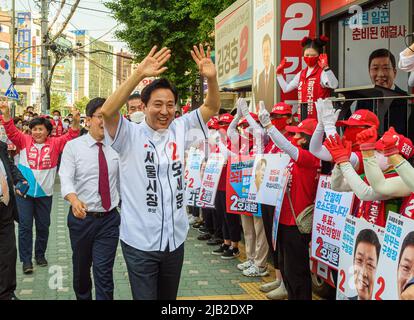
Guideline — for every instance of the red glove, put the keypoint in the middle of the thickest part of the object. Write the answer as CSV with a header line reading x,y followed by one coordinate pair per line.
x,y
367,139
323,61
390,140
339,149
281,67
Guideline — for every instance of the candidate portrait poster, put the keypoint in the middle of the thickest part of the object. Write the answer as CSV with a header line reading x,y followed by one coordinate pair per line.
x,y
331,210
193,175
396,262
239,173
211,178
268,178
358,259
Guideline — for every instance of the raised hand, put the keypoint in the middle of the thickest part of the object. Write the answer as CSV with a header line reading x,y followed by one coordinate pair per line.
x,y
329,115
390,140
264,115
4,108
205,65
323,61
340,150
281,67
152,65
367,139
244,108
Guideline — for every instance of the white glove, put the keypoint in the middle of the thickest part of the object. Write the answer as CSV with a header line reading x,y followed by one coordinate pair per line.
x,y
239,114
244,108
319,104
264,115
328,115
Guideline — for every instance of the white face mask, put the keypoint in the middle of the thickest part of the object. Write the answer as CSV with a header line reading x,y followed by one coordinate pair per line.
x,y
382,161
26,118
56,118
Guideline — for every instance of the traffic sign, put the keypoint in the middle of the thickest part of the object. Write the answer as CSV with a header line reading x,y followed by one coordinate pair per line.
x,y
12,93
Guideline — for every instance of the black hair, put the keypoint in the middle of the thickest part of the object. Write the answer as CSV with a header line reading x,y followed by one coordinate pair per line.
x,y
308,138
57,112
39,122
70,115
382,53
317,43
133,96
408,241
161,83
267,38
16,120
368,236
222,111
94,104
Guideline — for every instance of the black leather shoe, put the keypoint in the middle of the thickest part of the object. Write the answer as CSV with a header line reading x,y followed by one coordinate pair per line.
x,y
204,237
203,230
197,225
27,268
214,242
41,262
13,297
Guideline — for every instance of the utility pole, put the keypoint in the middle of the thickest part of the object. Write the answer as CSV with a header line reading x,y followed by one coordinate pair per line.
x,y
13,41
45,56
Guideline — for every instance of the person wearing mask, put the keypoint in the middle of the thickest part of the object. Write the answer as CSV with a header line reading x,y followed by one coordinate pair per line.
x,y
134,104
89,181
37,162
251,137
137,117
281,117
313,82
152,157
303,170
57,124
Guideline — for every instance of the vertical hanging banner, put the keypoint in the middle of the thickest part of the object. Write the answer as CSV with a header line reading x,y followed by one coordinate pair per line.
x,y
264,79
211,178
268,178
298,20
193,176
234,45
358,259
331,210
24,41
396,263
239,173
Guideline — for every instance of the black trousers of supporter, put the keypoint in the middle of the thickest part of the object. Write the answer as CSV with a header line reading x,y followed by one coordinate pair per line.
x,y
293,257
267,216
195,212
231,222
8,255
213,222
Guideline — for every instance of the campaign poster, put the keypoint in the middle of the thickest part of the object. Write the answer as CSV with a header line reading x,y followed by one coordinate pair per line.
x,y
358,259
331,210
268,178
211,178
193,176
239,173
24,39
396,262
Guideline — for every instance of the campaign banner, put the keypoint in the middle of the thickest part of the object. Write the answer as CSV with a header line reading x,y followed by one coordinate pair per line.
x,y
264,88
268,178
24,41
331,210
234,45
358,259
239,173
396,262
297,20
193,176
211,178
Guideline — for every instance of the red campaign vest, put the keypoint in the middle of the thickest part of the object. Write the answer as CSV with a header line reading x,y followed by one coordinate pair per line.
x,y
310,89
40,159
57,130
374,211
271,148
407,207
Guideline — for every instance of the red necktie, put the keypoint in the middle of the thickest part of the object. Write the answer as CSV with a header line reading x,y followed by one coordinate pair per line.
x,y
104,179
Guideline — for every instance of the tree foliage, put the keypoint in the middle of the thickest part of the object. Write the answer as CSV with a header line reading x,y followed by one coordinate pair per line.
x,y
81,104
57,101
177,24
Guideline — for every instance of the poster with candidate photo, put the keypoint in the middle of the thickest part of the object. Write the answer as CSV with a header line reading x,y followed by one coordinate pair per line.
x,y
211,178
239,174
269,178
358,259
331,210
396,262
193,176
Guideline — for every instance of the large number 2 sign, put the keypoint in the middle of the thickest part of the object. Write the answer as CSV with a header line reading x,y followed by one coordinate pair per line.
x,y
299,16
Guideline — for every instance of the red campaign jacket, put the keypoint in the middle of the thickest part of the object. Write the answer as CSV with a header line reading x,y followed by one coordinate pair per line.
x,y
57,130
407,207
310,89
374,211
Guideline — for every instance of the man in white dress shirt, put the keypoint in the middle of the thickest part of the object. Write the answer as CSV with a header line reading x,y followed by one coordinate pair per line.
x,y
89,178
154,224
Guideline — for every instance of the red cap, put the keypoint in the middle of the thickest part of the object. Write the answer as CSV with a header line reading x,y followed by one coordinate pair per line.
x,y
186,108
360,117
281,108
307,126
213,123
254,116
403,144
225,118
